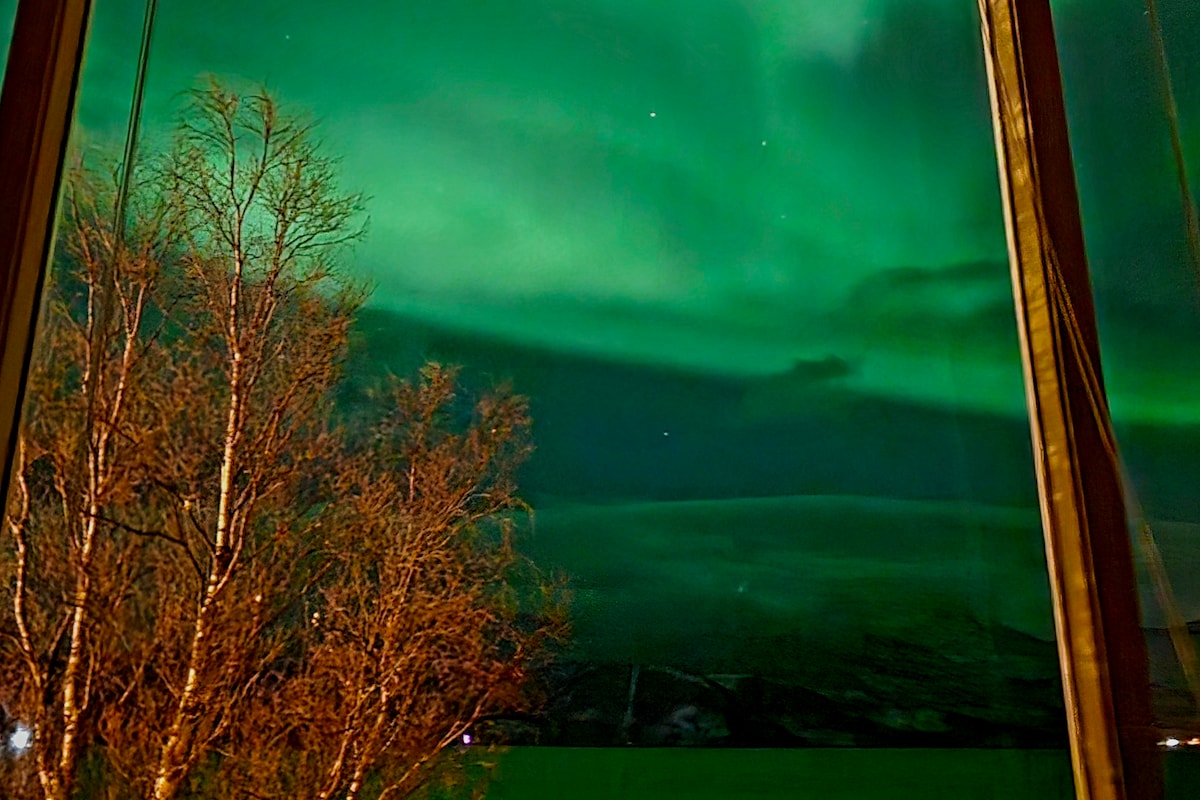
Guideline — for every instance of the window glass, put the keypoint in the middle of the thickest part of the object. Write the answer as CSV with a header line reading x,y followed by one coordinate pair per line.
x,y
8,10
746,260
1146,288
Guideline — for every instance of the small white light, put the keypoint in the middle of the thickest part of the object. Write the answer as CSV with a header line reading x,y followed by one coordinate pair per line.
x,y
466,738
1172,742
764,142
21,739
654,113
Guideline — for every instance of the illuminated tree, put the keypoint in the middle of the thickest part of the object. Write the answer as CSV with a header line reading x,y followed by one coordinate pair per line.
x,y
213,588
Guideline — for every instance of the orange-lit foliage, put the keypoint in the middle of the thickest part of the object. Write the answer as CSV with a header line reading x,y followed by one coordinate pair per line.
x,y
209,587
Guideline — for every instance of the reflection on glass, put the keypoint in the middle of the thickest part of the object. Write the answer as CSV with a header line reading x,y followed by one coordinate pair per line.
x,y
746,260
1147,292
8,12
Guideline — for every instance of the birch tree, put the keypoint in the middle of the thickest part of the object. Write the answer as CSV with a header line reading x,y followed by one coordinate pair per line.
x,y
215,590
82,449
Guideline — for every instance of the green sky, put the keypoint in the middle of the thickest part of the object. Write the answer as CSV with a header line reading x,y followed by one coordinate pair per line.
x,y
734,187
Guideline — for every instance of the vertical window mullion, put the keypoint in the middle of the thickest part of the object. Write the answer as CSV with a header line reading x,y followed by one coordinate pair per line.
x,y
36,110
1102,652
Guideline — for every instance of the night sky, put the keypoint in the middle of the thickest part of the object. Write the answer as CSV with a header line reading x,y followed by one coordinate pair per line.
x,y
731,248
731,188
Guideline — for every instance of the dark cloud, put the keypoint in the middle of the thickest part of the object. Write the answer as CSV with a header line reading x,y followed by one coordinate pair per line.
x,y
809,383
966,307
818,370
908,278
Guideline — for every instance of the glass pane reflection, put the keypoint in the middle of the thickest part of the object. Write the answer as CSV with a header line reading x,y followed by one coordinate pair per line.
x,y
1146,292
747,261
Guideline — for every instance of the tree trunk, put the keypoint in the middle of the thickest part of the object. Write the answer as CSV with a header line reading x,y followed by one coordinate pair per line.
x,y
177,749
177,752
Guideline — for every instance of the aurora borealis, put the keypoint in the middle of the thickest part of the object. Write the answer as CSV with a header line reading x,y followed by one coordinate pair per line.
x,y
726,187
732,248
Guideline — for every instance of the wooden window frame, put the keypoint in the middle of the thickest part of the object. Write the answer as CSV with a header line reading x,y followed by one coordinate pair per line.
x,y
1102,650
37,105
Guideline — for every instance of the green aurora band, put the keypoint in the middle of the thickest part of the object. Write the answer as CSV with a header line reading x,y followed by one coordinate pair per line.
x,y
728,188
593,176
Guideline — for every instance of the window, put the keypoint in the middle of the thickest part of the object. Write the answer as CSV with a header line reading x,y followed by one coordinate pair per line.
x,y
747,262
